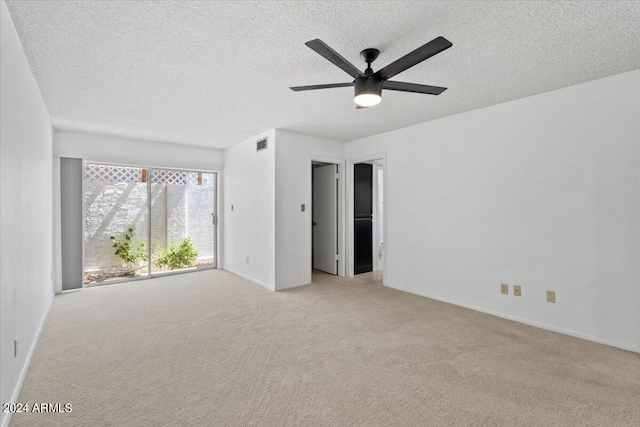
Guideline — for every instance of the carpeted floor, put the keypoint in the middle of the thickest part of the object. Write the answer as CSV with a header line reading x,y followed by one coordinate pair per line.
x,y
212,349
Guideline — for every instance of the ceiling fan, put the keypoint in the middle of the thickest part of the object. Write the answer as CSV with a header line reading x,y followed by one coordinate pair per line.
x,y
368,85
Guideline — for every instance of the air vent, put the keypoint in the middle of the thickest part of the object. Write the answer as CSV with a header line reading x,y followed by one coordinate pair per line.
x,y
261,145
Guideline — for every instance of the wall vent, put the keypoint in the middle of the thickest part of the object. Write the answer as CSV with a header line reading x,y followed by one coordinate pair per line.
x,y
261,145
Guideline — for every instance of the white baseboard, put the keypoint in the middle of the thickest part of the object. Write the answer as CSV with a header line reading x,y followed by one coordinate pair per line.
x,y
23,373
249,278
295,285
540,325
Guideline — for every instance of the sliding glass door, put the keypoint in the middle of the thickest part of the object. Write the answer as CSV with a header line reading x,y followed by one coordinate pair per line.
x,y
115,223
182,220
140,222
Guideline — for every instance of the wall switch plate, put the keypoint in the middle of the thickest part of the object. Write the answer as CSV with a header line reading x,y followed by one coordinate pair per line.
x,y
302,207
517,290
551,296
504,289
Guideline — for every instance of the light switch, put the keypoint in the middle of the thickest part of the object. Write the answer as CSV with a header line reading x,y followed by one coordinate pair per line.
x,y
302,207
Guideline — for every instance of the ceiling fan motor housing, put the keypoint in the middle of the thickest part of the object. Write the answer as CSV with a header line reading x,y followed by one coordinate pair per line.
x,y
369,84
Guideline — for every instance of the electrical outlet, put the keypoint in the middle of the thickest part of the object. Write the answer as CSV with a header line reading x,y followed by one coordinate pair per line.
x,y
504,289
551,296
247,260
517,290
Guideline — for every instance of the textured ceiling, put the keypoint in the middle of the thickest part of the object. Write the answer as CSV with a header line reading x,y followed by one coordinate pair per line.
x,y
215,73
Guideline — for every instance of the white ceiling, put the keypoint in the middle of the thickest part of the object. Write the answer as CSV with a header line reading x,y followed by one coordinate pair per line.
x,y
215,73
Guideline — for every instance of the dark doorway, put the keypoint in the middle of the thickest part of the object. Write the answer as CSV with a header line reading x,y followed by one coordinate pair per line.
x,y
363,218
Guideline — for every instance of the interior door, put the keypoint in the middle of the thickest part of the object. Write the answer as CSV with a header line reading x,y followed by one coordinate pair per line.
x,y
363,218
325,218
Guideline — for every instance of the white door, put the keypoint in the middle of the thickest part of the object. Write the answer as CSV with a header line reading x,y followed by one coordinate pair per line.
x,y
325,218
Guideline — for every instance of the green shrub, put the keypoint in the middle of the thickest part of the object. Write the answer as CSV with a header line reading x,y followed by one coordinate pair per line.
x,y
129,252
182,256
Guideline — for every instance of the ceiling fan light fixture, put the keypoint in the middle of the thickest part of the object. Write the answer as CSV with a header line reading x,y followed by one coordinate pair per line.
x,y
367,91
368,98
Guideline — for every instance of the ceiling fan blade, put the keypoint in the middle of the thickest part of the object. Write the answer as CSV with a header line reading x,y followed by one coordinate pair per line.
x,y
412,87
314,87
323,49
426,51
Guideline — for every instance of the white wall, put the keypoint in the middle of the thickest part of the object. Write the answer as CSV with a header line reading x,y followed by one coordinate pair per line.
x,y
543,192
266,189
249,230
293,188
26,210
128,151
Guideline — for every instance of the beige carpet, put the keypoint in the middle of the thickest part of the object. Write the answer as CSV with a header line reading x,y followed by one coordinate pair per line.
x,y
212,349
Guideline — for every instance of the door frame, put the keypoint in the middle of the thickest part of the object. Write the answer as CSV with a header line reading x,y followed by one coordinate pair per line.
x,y
342,271
349,211
376,216
217,228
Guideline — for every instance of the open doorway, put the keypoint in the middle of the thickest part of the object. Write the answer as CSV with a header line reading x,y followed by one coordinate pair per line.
x,y
366,213
363,223
368,218
325,218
